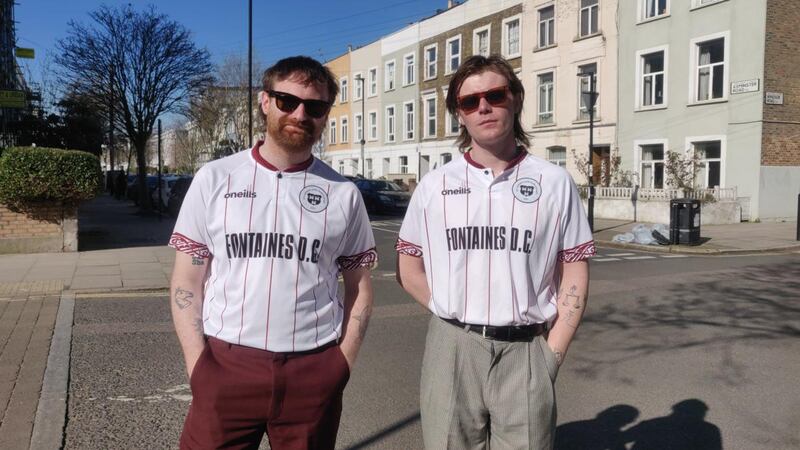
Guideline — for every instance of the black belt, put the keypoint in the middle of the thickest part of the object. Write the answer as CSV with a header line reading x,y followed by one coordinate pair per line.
x,y
507,333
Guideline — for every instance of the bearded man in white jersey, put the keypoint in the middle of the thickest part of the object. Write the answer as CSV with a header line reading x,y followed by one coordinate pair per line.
x,y
261,239
495,244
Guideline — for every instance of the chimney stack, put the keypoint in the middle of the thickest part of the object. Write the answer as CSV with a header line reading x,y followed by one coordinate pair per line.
x,y
349,48
450,4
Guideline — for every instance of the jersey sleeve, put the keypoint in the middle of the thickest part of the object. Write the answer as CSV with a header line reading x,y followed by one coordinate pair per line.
x,y
577,243
359,246
409,242
189,235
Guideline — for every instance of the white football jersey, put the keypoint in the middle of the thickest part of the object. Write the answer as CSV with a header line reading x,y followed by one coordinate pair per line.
x,y
277,242
490,245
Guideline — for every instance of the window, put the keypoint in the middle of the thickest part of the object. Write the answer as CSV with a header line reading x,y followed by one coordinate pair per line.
x,y
480,41
408,108
710,71
343,122
408,69
546,93
403,164
589,16
341,166
373,81
453,54
445,158
451,122
358,87
390,123
358,122
584,86
343,89
653,8
430,115
511,37
368,170
388,76
699,3
652,82
547,26
332,132
651,168
709,166
430,61
557,155
373,125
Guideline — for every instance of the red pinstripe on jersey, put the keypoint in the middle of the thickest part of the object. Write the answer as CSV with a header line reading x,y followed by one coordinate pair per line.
x,y
225,283
272,263
297,273
247,264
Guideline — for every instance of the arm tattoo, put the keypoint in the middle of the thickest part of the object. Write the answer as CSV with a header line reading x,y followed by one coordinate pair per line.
x,y
197,261
198,326
363,321
183,298
559,358
574,303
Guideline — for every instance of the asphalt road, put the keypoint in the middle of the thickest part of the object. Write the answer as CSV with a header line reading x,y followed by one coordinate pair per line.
x,y
716,336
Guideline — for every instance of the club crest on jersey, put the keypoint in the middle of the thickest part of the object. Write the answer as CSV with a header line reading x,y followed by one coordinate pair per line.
x,y
527,190
313,199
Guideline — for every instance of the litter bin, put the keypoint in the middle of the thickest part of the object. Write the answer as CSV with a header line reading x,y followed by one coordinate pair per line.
x,y
684,221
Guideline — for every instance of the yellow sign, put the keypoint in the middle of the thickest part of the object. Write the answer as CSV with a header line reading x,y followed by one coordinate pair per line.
x,y
12,99
24,52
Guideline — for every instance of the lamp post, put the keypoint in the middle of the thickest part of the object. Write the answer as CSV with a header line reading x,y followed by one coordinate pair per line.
x,y
590,99
250,74
360,79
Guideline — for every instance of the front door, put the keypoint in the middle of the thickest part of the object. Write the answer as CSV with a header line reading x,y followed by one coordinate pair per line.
x,y
601,165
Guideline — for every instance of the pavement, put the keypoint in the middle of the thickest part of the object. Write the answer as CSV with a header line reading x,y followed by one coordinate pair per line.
x,y
122,249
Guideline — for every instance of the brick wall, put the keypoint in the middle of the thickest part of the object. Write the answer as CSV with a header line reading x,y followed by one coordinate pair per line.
x,y
781,138
44,229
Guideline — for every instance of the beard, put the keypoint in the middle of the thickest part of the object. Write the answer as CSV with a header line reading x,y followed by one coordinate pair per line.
x,y
292,140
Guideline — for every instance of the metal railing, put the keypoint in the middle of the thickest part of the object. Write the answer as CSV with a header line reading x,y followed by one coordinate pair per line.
x,y
615,192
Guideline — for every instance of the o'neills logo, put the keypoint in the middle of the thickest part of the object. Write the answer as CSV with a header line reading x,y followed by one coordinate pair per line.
x,y
460,191
247,193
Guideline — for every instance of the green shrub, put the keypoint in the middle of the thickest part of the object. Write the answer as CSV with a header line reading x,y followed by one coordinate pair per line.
x,y
30,175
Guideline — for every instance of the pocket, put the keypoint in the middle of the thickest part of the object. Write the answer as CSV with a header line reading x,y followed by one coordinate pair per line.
x,y
344,364
549,358
198,365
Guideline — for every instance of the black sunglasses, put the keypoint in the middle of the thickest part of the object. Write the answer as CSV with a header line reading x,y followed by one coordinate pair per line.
x,y
288,103
471,102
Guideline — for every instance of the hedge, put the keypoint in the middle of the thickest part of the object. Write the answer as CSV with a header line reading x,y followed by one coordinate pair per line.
x,y
30,175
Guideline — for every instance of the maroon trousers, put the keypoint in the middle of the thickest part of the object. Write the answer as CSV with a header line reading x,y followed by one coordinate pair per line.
x,y
239,393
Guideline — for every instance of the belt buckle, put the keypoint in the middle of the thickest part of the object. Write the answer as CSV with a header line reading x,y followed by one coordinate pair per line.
x,y
483,331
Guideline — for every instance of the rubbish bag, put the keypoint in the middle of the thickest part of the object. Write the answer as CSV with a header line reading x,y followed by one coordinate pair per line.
x,y
624,238
643,235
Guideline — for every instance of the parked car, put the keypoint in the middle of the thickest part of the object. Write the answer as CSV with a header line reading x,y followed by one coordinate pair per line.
x,y
167,181
176,195
383,196
133,187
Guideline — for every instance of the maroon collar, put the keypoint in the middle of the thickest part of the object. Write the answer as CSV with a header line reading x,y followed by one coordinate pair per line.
x,y
517,159
295,168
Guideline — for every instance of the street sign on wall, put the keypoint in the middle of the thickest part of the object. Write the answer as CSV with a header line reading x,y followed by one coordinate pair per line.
x,y
22,52
774,98
740,87
12,99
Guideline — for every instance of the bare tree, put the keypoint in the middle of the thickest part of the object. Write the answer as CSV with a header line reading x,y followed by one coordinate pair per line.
x,y
189,148
147,63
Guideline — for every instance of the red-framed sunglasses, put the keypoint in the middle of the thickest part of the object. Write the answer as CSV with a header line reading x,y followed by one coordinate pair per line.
x,y
288,103
495,97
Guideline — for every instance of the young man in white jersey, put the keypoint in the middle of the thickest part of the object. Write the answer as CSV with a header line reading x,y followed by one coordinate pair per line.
x,y
261,239
495,245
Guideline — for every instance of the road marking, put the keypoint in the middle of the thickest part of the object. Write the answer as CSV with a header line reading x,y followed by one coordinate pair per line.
x,y
621,254
388,275
388,231
674,256
605,259
641,257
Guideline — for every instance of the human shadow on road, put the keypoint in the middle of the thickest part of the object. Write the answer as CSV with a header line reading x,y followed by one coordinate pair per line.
x,y
382,434
685,429
604,432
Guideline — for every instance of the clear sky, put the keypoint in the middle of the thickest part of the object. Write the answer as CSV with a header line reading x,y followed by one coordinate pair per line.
x,y
318,28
